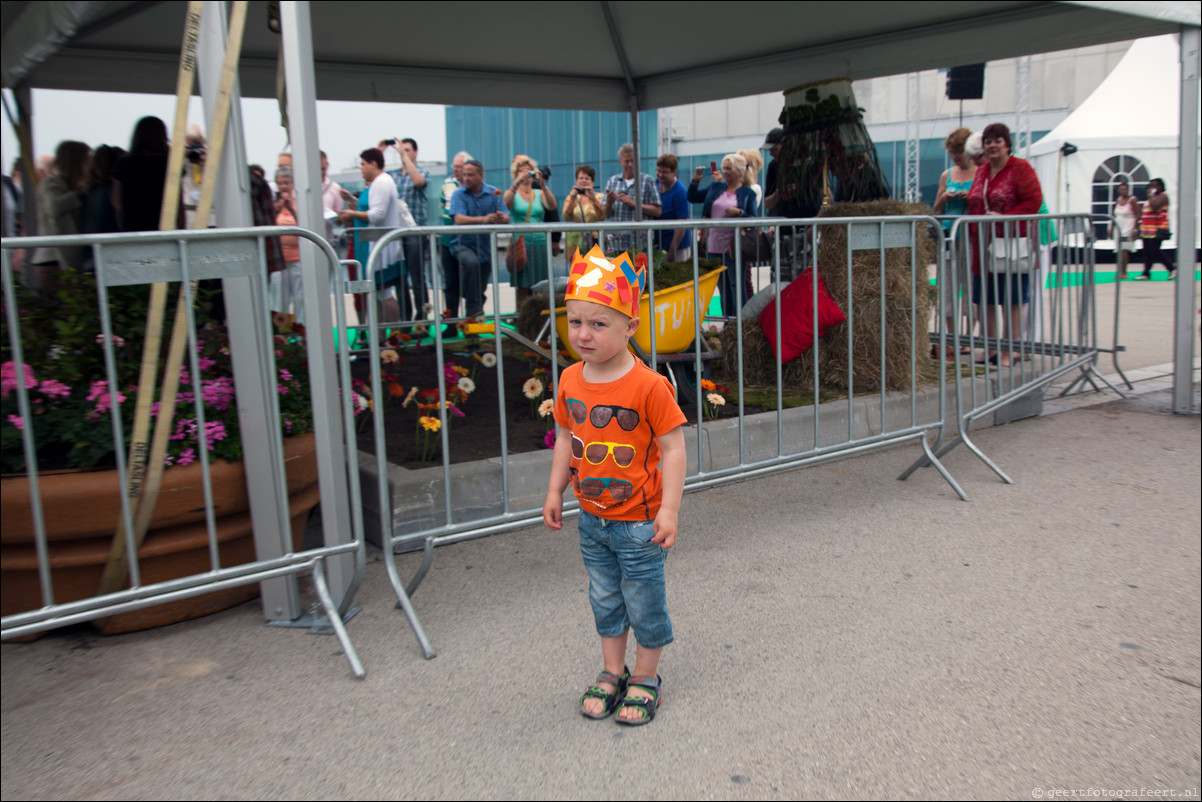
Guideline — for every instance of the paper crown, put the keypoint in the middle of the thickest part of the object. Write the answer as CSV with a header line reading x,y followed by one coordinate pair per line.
x,y
615,283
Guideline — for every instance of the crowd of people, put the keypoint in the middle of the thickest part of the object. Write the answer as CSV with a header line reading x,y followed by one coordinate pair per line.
x,y
112,189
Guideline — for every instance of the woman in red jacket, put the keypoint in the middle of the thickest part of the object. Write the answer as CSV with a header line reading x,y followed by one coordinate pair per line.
x,y
1004,185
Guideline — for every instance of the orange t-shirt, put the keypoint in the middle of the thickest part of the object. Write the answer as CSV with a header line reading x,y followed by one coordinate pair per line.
x,y
615,428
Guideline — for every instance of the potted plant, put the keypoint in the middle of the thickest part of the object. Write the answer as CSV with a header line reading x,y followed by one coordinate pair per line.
x,y
71,408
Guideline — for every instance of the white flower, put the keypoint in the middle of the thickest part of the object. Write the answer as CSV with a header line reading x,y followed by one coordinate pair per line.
x,y
488,360
546,408
532,389
466,385
389,356
716,399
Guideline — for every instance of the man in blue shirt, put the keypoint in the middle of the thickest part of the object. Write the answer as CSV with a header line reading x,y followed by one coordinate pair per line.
x,y
475,203
672,197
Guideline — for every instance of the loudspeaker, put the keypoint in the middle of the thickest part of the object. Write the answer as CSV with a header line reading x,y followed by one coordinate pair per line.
x,y
966,82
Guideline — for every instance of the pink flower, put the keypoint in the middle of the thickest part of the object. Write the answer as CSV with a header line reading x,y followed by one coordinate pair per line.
x,y
54,388
186,457
549,438
116,340
218,393
204,363
8,378
16,420
214,431
103,398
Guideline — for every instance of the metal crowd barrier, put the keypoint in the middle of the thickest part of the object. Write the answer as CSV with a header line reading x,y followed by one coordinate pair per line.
x,y
998,260
451,504
181,258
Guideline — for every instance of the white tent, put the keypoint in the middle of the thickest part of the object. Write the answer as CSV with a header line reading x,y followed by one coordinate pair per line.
x,y
1128,128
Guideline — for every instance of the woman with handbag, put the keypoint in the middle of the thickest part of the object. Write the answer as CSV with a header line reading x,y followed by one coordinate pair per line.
x,y
728,196
1003,254
1154,230
527,199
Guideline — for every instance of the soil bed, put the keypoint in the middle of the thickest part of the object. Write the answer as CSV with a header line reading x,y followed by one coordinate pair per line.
x,y
476,435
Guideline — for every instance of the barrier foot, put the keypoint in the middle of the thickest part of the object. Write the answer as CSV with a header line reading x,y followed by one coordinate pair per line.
x,y
965,426
930,455
420,574
1087,374
929,458
327,603
402,597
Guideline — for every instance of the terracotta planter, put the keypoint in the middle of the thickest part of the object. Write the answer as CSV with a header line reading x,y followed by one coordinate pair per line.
x,y
82,511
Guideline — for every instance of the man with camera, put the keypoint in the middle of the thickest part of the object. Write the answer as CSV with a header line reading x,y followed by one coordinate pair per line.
x,y
196,149
620,205
411,181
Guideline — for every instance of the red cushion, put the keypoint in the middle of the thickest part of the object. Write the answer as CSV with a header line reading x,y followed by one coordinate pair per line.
x,y
797,316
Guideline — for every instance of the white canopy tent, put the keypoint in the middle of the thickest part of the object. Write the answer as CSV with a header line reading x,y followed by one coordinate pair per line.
x,y
640,56
1134,113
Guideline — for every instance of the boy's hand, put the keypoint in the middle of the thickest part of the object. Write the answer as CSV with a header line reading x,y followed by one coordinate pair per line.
x,y
665,528
553,512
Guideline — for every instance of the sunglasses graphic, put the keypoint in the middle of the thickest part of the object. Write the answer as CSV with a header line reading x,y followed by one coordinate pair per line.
x,y
601,415
620,489
596,453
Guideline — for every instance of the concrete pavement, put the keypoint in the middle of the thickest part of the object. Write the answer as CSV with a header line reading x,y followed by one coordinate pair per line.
x,y
840,634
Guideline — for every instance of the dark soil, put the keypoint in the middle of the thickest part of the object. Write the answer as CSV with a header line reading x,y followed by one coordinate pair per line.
x,y
477,435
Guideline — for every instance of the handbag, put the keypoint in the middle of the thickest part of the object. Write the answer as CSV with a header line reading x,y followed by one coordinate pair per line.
x,y
1010,255
1007,254
756,245
515,254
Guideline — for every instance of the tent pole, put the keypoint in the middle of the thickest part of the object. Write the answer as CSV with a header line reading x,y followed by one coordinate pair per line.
x,y
300,77
638,164
1187,200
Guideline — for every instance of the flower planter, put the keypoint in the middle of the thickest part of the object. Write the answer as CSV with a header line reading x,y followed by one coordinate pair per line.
x,y
83,509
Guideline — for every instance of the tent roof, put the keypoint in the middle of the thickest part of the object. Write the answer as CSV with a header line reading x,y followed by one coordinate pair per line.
x,y
1138,103
582,55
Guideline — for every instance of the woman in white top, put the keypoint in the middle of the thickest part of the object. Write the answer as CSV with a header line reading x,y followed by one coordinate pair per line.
x,y
1126,214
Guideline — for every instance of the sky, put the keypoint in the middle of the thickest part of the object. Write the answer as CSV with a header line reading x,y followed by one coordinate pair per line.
x,y
344,128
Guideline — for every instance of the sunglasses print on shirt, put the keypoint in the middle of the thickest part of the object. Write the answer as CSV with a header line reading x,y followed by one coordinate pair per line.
x,y
596,453
619,489
602,414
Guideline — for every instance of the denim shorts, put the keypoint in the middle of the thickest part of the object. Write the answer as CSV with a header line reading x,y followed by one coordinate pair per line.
x,y
626,579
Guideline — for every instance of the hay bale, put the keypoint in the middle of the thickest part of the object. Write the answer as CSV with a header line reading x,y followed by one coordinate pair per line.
x,y
530,315
864,288
904,331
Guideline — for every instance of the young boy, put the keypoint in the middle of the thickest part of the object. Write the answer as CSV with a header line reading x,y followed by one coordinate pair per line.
x,y
618,424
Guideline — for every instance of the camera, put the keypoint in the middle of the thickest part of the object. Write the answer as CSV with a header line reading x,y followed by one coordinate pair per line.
x,y
546,171
195,153
389,141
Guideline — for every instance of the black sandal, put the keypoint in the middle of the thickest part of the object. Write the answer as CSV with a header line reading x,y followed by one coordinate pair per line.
x,y
648,704
611,699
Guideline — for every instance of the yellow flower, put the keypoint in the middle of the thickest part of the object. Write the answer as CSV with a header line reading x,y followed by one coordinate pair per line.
x,y
532,389
706,384
430,424
462,371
